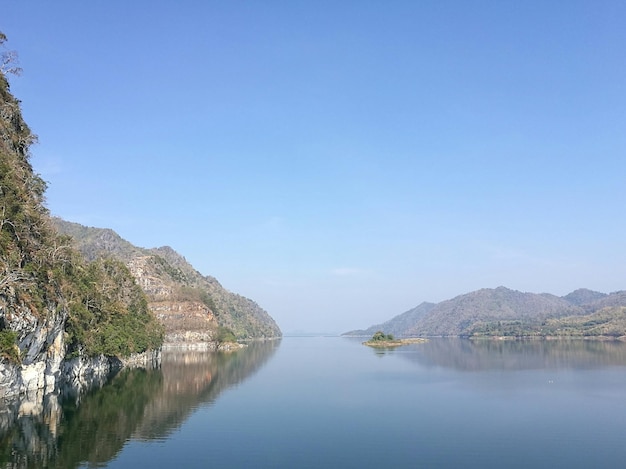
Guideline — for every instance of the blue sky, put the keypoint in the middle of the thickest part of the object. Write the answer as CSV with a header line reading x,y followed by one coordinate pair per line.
x,y
338,162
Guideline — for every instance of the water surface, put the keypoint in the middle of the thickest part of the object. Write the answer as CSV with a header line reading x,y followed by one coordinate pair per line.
x,y
332,402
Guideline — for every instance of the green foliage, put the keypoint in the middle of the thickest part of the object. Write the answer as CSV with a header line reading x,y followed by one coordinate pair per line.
x,y
175,274
187,293
109,314
224,335
243,316
41,272
27,241
608,322
8,346
380,336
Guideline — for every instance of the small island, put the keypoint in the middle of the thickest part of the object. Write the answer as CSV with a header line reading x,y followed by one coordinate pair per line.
x,y
380,339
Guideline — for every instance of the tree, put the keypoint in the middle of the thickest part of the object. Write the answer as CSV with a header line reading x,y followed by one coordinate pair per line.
x,y
380,336
224,335
8,59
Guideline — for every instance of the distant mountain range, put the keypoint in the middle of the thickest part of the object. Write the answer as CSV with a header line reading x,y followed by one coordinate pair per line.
x,y
505,312
191,306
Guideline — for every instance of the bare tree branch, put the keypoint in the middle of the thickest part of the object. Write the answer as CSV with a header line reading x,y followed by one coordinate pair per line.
x,y
8,59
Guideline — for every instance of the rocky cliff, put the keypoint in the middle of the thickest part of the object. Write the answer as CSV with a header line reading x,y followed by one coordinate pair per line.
x,y
61,319
192,308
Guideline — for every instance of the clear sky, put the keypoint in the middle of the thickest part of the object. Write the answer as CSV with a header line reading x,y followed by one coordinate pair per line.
x,y
339,162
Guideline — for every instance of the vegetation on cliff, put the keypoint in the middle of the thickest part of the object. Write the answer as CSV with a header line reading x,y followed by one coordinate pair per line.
x,y
28,245
41,274
166,278
108,312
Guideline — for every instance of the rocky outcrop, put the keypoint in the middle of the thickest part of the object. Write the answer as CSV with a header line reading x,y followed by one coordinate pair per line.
x,y
189,305
185,321
40,364
42,279
83,373
150,282
43,368
40,339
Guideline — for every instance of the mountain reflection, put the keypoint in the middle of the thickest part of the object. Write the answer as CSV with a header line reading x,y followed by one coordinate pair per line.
x,y
510,355
66,430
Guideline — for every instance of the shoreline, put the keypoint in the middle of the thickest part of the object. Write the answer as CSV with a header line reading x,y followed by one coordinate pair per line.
x,y
394,343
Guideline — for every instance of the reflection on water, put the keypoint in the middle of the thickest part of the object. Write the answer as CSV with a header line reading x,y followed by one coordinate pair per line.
x,y
64,430
503,355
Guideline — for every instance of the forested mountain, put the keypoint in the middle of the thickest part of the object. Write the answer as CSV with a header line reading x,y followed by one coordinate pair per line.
x,y
612,300
505,312
54,306
190,306
583,296
458,315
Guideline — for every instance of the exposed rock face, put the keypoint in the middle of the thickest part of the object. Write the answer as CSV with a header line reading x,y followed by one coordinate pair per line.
x,y
190,306
82,373
46,371
43,366
185,321
42,280
53,303
147,279
40,339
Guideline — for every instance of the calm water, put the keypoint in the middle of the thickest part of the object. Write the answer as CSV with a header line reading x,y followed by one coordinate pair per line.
x,y
331,402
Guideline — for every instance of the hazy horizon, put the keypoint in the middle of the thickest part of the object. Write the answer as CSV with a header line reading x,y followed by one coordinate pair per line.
x,y
338,163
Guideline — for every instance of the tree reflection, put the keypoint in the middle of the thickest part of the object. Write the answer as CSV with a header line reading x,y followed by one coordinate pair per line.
x,y
66,430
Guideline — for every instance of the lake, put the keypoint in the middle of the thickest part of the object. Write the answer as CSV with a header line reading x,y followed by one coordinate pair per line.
x,y
332,402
